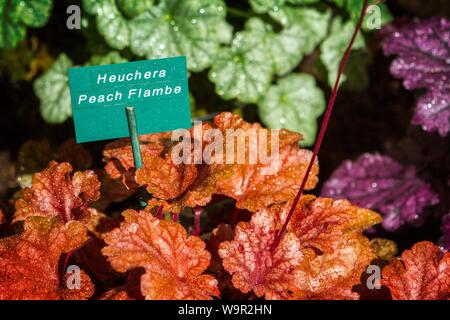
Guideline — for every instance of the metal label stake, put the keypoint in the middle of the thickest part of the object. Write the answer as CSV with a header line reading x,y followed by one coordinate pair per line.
x,y
132,126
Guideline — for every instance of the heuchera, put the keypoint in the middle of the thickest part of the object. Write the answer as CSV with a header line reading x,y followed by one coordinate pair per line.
x,y
321,256
378,182
294,246
423,61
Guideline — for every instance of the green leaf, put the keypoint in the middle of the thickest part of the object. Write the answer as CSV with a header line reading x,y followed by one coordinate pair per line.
x,y
109,58
111,23
133,8
302,1
294,103
244,70
303,30
52,88
17,15
354,7
194,28
261,6
333,48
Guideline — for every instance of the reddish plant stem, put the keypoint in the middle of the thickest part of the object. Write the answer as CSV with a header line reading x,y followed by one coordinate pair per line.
x,y
175,217
197,212
323,129
159,212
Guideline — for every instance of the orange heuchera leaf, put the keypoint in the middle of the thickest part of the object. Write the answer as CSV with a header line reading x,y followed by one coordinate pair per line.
x,y
331,241
422,273
55,193
163,178
253,265
332,275
119,159
254,185
173,262
29,262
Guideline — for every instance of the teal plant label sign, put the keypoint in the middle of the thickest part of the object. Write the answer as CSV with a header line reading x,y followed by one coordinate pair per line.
x,y
157,89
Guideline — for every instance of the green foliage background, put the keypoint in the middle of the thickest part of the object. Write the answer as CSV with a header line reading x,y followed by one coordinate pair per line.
x,y
272,58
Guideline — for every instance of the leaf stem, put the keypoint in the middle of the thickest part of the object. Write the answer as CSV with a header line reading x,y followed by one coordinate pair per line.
x,y
197,212
279,236
159,212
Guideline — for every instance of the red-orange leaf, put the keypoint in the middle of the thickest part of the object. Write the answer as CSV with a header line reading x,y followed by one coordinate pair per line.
x,y
29,262
422,273
332,275
254,185
163,178
119,159
253,265
324,223
331,240
173,262
55,193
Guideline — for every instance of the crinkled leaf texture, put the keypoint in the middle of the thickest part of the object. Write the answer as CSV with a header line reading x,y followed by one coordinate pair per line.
x,y
57,193
332,49
174,263
52,88
422,273
119,159
29,262
321,257
244,70
423,61
336,253
294,103
380,183
17,15
254,186
194,28
253,265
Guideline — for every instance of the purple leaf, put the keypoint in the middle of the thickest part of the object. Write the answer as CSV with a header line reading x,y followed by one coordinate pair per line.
x,y
433,110
382,184
423,50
